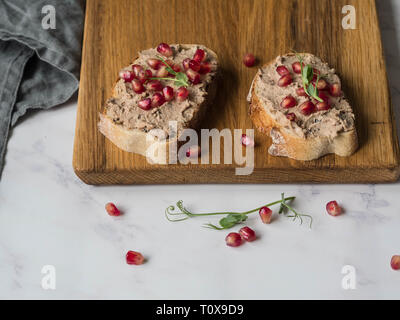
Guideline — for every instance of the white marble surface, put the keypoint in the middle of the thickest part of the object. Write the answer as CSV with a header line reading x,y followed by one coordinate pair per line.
x,y
49,217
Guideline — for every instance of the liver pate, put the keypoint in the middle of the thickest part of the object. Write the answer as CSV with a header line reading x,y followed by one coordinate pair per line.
x,y
123,108
339,118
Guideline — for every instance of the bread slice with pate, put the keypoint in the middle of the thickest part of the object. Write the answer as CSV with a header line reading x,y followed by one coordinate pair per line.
x,y
140,103
301,126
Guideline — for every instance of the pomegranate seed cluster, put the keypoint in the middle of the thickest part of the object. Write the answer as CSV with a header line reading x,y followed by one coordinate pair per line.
x,y
142,78
310,106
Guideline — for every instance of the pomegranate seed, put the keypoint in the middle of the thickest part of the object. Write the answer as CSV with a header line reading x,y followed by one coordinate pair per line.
x,y
395,262
157,100
193,76
291,116
133,257
247,141
164,49
154,63
316,72
285,80
142,76
145,104
333,208
322,106
199,55
168,93
162,72
176,68
136,69
296,67
301,92
137,86
265,215
335,90
149,74
249,60
185,64
288,102
307,108
324,97
322,85
194,65
282,71
112,210
127,75
205,68
181,94
247,234
154,85
193,151
233,239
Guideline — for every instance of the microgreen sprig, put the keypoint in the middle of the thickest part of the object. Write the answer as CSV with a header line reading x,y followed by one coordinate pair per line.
x,y
231,218
307,74
181,79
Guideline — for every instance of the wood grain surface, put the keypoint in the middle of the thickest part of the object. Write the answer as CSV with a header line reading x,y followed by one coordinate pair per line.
x,y
115,30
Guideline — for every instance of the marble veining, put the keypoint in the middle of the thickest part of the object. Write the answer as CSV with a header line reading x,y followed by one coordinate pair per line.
x,y
49,217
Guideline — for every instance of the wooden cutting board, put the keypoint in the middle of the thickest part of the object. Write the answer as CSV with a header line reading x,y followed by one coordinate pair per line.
x,y
115,30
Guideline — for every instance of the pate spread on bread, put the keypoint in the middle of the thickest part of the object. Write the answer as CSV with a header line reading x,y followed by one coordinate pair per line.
x,y
301,126
145,97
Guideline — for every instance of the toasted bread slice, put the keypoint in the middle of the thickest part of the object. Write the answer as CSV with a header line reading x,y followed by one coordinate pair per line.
x,y
128,126
296,132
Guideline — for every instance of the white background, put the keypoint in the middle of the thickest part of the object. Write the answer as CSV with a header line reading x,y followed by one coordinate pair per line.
x,y
49,217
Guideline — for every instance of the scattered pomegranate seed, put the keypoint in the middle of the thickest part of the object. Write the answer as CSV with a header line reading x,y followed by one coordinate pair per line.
x,y
136,69
181,94
291,116
307,108
193,76
301,92
233,239
316,72
112,210
282,71
288,102
199,55
127,75
154,63
247,141
247,234
322,84
193,151
162,72
154,85
205,68
296,67
145,104
168,93
285,80
395,262
194,65
157,100
165,49
137,86
249,60
335,90
142,76
185,64
333,208
133,257
265,215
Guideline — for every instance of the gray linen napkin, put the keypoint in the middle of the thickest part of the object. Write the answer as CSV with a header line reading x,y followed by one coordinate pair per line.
x,y
40,53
